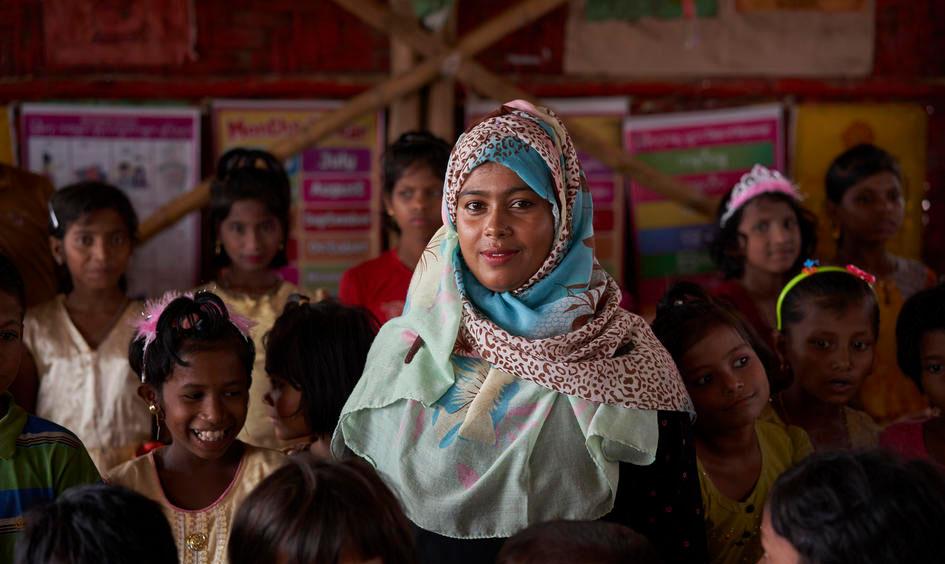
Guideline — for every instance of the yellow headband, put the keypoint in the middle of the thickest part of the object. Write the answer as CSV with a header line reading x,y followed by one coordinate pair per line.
x,y
812,267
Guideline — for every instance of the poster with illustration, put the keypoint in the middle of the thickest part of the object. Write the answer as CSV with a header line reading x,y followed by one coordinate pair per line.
x,y
709,151
152,153
336,212
605,115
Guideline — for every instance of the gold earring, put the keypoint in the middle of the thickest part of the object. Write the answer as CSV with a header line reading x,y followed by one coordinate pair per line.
x,y
156,412
218,248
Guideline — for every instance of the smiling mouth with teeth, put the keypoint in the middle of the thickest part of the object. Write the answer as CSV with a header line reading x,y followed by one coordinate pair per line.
x,y
209,436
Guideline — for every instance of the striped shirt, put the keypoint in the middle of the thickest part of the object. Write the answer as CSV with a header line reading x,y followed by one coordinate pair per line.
x,y
38,461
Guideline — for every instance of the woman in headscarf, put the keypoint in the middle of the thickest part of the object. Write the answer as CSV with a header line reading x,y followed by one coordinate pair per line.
x,y
514,390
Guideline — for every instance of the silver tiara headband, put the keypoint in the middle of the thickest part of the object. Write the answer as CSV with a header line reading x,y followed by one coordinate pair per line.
x,y
760,180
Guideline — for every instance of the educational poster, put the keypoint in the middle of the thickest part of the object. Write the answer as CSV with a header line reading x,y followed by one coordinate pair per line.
x,y
152,153
708,151
823,131
336,215
7,146
607,187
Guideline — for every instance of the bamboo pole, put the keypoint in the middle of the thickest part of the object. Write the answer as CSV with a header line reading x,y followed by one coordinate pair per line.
x,y
441,106
404,112
377,97
492,85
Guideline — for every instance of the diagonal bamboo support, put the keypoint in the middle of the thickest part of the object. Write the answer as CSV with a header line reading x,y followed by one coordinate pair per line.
x,y
492,85
377,97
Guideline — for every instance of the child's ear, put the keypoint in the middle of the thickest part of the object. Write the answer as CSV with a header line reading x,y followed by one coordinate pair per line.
x,y
388,207
148,394
55,247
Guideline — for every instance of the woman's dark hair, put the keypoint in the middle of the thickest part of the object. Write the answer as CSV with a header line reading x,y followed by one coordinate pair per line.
x,y
686,314
856,164
11,283
413,147
834,291
250,174
320,349
589,542
97,523
923,313
860,507
75,201
185,326
726,245
321,511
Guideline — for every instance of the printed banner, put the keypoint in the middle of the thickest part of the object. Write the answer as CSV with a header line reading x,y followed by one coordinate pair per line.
x,y
709,151
152,153
336,221
607,187
823,131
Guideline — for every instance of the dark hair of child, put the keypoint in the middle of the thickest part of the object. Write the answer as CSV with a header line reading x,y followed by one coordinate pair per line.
x,y
185,326
11,283
320,349
413,147
834,291
75,201
924,312
250,174
589,542
856,164
97,523
319,511
687,313
726,246
864,507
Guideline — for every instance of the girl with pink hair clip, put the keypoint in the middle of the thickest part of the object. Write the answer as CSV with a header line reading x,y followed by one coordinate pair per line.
x,y
195,361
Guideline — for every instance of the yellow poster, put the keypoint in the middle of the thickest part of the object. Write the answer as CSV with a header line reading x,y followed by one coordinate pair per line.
x,y
823,131
7,152
336,218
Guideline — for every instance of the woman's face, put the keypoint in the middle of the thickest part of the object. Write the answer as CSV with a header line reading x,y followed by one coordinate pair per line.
x,y
872,209
505,229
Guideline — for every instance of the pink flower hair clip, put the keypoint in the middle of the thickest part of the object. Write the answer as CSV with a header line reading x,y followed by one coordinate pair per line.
x,y
146,326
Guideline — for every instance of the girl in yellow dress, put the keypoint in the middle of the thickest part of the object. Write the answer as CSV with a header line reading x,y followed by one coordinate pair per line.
x,y
249,210
195,360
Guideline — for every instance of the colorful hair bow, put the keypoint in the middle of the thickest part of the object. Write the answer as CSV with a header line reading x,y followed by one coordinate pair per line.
x,y
812,267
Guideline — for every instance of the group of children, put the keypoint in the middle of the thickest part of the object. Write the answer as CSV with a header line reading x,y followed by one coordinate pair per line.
x,y
785,358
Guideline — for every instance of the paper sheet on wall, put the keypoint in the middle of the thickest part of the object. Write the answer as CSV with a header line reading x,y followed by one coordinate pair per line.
x,y
335,216
152,153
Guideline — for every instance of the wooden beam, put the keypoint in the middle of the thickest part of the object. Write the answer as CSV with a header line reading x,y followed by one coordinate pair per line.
x,y
377,97
492,85
441,105
404,113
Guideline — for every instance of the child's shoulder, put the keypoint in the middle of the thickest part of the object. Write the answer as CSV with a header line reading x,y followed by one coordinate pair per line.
x,y
265,459
41,313
787,441
863,431
132,473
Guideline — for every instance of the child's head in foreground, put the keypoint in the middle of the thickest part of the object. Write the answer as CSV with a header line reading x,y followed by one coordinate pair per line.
x,y
588,542
12,309
920,342
97,523
846,507
312,510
